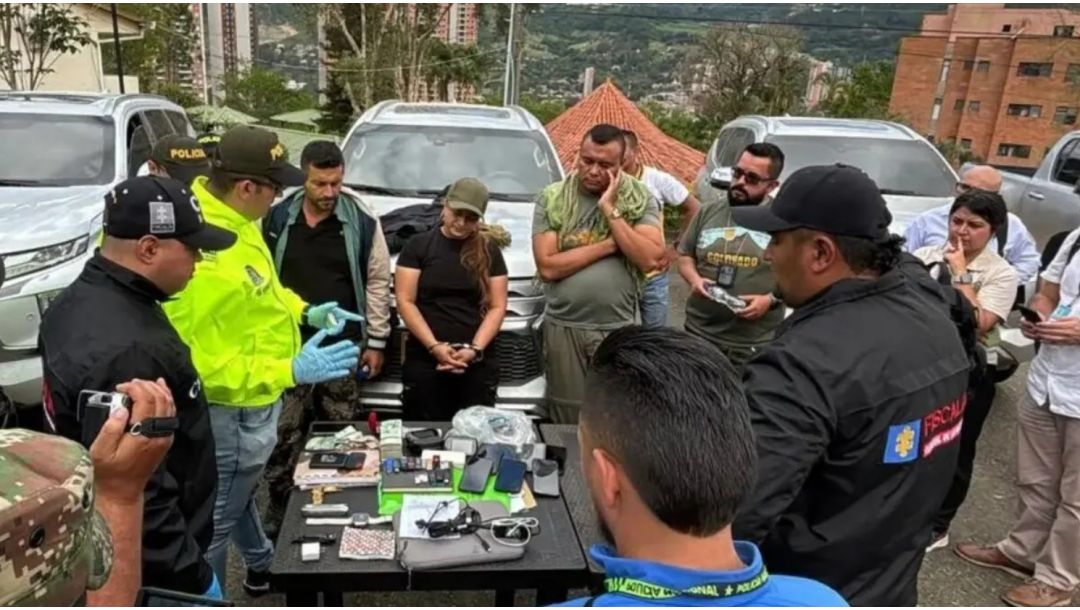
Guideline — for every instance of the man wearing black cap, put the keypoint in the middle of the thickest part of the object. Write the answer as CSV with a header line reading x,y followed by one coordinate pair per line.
x,y
108,327
180,158
243,329
857,404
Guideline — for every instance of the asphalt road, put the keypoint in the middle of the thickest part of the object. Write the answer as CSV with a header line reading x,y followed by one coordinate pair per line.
x,y
945,580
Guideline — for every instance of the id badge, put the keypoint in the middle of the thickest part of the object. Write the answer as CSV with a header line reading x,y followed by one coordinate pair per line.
x,y
725,276
1062,311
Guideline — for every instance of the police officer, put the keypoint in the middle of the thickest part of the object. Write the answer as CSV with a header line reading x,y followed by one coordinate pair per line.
x,y
858,403
178,157
108,327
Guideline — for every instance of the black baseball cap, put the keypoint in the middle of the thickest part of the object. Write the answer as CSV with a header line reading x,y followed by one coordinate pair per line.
x,y
164,208
182,157
253,152
835,199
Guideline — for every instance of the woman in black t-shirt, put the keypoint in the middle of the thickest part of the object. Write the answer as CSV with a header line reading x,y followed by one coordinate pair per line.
x,y
450,286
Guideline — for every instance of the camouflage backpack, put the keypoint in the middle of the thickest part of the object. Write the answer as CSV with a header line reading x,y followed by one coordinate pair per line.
x,y
53,544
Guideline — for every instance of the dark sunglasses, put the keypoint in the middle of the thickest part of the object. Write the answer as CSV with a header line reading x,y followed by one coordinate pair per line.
x,y
963,188
750,178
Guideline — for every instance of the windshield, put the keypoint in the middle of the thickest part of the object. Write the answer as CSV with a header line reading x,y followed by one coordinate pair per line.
x,y
416,160
56,150
898,167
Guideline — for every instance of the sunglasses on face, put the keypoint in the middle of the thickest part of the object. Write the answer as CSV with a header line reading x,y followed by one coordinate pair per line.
x,y
750,178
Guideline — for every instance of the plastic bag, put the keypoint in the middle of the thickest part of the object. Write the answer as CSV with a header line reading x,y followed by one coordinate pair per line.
x,y
489,425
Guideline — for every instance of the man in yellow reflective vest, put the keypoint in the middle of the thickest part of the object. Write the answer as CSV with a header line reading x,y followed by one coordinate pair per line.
x,y
242,327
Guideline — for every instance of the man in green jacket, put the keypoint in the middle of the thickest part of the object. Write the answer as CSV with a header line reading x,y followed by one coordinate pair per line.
x,y
242,327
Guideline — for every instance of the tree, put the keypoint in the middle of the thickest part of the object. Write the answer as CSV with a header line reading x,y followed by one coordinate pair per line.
x,y
955,154
336,112
682,125
522,12
732,72
181,95
263,93
461,65
544,110
163,52
34,37
861,94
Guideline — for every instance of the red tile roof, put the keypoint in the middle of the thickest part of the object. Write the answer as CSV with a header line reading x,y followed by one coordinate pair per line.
x,y
606,104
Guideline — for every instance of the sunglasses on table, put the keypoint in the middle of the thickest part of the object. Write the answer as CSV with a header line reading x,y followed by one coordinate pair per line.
x,y
750,178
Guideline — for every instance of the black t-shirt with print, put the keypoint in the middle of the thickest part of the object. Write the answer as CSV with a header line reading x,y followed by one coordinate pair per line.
x,y
448,296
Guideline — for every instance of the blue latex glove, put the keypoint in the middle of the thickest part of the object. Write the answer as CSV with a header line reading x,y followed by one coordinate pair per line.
x,y
316,363
214,592
329,316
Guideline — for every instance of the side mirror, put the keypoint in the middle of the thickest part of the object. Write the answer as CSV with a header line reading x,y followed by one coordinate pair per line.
x,y
720,178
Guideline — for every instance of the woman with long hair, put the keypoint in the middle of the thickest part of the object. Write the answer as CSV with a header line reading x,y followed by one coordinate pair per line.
x,y
451,285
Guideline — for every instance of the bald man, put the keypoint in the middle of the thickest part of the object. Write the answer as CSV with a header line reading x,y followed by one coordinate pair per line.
x,y
931,228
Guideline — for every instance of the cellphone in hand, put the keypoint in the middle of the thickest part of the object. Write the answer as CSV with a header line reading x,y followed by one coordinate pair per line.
x,y
1030,314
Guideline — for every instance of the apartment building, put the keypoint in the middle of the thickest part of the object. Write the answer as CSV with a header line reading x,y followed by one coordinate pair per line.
x,y
231,40
1001,80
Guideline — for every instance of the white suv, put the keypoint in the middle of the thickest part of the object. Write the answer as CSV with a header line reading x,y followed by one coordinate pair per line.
x,y
62,152
400,154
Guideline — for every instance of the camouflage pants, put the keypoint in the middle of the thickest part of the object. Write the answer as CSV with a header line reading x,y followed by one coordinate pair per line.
x,y
334,401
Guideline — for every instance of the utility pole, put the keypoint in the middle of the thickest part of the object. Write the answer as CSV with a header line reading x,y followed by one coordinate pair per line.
x,y
507,89
116,43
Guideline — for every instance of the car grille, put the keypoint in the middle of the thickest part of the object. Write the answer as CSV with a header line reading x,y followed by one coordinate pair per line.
x,y
518,356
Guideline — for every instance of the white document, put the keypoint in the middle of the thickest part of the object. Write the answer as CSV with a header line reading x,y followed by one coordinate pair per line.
x,y
421,507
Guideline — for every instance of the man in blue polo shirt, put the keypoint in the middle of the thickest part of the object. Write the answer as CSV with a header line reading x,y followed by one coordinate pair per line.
x,y
668,454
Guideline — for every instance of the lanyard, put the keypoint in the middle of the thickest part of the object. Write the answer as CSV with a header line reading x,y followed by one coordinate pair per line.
x,y
647,590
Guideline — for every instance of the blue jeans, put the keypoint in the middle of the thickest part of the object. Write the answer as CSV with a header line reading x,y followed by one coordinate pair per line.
x,y
654,301
244,439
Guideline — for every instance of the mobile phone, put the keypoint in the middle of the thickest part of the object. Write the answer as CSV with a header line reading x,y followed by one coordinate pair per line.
x,y
497,452
545,478
475,476
329,459
1030,314
511,476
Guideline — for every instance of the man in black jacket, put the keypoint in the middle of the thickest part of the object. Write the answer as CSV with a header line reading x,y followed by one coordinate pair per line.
x,y
108,327
858,403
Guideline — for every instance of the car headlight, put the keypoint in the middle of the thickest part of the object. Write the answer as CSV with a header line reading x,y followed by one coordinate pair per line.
x,y
31,261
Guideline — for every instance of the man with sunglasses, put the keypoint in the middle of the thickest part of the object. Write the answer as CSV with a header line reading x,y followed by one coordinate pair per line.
x,y
108,328
715,251
1013,241
243,329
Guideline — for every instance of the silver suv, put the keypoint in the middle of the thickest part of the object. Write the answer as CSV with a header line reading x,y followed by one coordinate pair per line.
x,y
400,154
62,152
912,174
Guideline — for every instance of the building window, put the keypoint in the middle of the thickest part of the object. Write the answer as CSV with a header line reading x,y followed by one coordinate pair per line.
x,y
1034,69
969,64
1063,31
965,143
945,69
1007,27
983,65
1025,110
959,105
974,106
1065,115
936,112
1072,74
1020,151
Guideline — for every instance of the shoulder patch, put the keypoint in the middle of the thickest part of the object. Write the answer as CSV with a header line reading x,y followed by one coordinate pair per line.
x,y
902,442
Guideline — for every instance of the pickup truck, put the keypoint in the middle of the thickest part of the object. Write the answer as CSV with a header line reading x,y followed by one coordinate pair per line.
x,y
1047,202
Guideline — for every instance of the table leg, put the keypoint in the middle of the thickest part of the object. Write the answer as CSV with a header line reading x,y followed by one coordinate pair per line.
x,y
549,596
333,599
301,599
504,598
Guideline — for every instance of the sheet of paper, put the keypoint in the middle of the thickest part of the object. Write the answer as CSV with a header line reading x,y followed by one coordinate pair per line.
x,y
421,507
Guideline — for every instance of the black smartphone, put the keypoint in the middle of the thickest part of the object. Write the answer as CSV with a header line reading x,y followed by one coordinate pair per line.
x,y
475,476
329,459
497,452
1030,314
558,455
545,478
511,476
